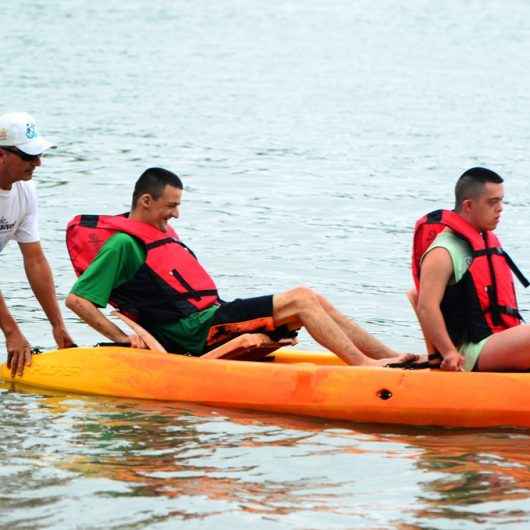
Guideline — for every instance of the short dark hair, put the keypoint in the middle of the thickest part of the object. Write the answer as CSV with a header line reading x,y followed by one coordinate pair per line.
x,y
153,181
471,184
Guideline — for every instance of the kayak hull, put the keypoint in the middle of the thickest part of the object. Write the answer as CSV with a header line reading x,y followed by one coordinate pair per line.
x,y
301,383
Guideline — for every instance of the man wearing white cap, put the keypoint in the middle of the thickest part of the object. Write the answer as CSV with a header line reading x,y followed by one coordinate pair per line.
x,y
21,148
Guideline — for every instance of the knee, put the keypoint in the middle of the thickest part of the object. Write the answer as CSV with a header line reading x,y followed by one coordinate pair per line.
x,y
304,297
325,304
523,337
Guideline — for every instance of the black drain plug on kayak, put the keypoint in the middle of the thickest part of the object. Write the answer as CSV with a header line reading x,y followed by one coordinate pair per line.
x,y
384,394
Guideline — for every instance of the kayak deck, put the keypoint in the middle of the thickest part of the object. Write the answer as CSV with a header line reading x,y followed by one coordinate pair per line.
x,y
316,384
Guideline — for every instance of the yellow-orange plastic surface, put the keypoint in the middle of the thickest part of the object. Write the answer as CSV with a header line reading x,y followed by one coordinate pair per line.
x,y
302,383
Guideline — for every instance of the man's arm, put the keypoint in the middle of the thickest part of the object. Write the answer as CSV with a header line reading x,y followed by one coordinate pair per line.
x,y
436,271
40,278
17,346
89,313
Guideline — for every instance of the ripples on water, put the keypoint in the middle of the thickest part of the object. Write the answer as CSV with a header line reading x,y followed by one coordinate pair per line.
x,y
310,136
104,463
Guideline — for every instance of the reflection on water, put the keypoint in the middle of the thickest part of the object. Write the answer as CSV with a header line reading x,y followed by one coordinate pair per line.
x,y
476,472
150,463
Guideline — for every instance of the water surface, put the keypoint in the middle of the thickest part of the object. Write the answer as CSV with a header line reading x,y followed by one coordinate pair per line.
x,y
310,136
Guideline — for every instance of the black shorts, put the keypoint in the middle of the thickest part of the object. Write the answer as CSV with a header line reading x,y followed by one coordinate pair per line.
x,y
248,315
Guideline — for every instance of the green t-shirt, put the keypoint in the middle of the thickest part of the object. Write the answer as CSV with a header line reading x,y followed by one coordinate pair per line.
x,y
458,249
116,263
461,256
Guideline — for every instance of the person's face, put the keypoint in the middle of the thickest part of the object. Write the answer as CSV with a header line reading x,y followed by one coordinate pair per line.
x,y
159,211
17,165
485,211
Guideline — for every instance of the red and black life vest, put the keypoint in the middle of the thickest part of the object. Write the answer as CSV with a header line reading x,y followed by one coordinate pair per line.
x,y
170,285
484,300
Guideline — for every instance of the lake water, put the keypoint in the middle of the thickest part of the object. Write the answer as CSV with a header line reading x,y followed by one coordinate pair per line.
x,y
310,136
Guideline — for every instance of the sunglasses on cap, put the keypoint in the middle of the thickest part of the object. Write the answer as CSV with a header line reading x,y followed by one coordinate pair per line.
x,y
21,154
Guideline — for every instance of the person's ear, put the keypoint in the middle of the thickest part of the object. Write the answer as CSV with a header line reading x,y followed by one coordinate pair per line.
x,y
466,205
145,200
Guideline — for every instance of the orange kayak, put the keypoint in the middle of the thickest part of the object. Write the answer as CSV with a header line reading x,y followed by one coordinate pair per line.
x,y
294,382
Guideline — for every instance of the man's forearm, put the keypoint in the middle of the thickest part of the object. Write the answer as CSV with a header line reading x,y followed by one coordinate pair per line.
x,y
40,278
89,313
7,322
434,329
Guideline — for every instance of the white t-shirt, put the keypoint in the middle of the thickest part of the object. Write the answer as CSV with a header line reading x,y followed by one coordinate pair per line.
x,y
18,214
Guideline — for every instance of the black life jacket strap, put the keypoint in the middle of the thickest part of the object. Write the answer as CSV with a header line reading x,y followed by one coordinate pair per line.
x,y
505,310
190,291
159,243
90,221
434,217
196,295
511,311
492,289
490,251
187,248
169,241
515,269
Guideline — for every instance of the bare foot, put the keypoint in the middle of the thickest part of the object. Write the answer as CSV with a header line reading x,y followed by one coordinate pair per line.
x,y
404,358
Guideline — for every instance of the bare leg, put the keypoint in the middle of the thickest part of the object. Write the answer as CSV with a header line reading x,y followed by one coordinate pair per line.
x,y
507,350
301,306
367,343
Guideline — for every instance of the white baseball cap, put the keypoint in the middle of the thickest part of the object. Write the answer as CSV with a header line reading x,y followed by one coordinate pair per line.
x,y
18,129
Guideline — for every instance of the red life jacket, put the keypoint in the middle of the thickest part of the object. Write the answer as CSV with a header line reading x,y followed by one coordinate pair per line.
x,y
484,300
171,284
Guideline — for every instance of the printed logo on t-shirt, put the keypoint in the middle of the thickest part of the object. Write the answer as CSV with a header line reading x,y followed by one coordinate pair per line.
x,y
5,225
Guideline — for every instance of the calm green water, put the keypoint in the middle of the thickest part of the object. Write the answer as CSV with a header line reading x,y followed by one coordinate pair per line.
x,y
310,136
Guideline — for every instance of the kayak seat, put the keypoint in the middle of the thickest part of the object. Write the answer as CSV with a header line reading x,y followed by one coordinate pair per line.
x,y
248,347
150,341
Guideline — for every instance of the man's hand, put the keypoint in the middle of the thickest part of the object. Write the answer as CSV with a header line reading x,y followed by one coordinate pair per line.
x,y
453,362
18,352
402,358
137,342
62,337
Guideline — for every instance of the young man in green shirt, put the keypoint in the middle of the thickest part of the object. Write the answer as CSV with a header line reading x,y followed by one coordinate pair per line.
x,y
479,196
119,264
